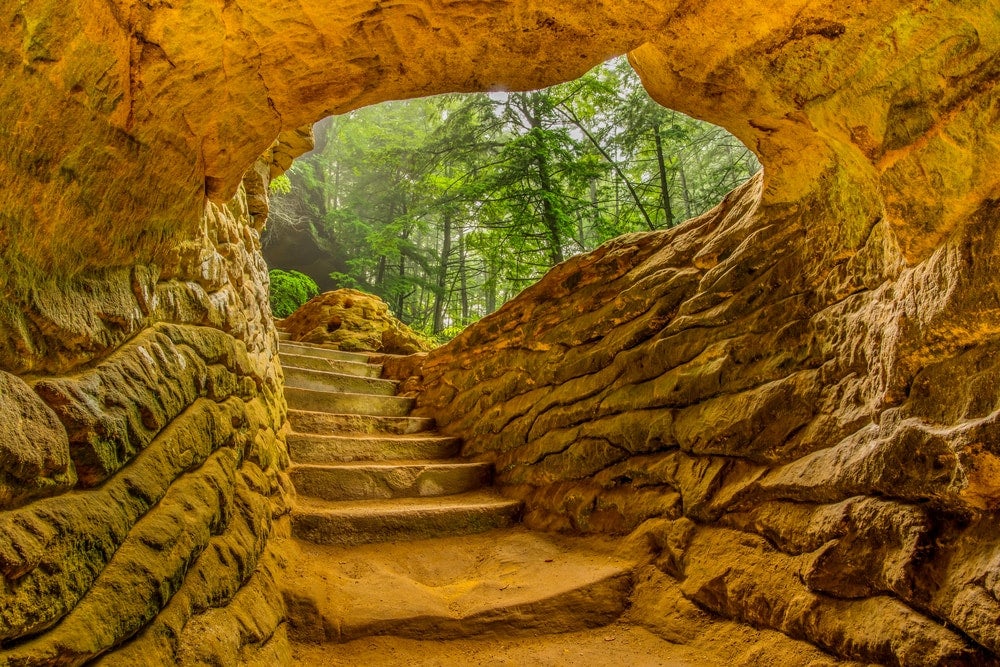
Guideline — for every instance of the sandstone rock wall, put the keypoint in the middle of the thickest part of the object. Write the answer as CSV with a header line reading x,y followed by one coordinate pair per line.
x,y
141,446
142,456
189,95
792,400
802,447
354,321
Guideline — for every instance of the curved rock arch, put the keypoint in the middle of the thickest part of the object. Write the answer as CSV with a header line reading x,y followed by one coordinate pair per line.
x,y
189,96
818,353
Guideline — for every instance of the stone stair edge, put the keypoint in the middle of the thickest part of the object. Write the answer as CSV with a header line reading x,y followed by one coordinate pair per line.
x,y
344,362
385,436
353,394
393,463
327,346
309,413
315,423
340,383
323,372
480,498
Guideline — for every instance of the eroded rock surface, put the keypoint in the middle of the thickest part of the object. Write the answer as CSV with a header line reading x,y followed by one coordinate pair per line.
x,y
790,402
142,459
798,458
34,449
354,321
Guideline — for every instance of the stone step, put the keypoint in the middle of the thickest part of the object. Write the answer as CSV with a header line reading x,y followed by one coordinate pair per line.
x,y
305,378
501,583
366,521
310,350
342,403
306,422
620,643
317,448
284,335
390,479
331,365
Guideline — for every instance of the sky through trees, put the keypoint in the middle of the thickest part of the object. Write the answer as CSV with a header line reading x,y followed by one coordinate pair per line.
x,y
449,206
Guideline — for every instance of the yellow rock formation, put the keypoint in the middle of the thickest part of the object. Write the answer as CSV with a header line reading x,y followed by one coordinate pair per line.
x,y
791,400
354,321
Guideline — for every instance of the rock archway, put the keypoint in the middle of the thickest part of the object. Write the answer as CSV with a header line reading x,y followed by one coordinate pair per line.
x,y
797,393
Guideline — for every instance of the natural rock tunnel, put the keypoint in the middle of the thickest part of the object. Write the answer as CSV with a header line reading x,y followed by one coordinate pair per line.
x,y
793,399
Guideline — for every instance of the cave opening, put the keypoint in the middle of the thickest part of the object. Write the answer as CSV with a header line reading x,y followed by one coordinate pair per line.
x,y
449,206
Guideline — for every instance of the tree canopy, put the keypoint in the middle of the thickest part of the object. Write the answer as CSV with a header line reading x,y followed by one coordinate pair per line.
x,y
449,206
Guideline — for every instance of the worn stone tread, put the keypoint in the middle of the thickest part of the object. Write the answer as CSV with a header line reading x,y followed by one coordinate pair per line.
x,y
307,378
310,422
363,480
311,350
319,448
617,644
348,403
512,582
366,521
330,365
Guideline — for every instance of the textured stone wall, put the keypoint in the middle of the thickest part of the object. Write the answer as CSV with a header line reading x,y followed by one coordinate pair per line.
x,y
792,400
141,444
795,399
189,95
799,458
142,461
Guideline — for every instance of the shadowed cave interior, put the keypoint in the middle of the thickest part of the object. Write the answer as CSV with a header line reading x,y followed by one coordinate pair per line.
x,y
781,415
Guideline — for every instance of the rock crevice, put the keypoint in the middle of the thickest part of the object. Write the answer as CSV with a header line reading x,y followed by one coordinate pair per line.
x,y
791,400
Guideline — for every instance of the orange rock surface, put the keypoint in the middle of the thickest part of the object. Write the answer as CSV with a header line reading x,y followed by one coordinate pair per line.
x,y
791,402
354,321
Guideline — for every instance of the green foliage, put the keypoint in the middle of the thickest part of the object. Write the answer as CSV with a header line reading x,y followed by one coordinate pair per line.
x,y
447,207
344,280
280,185
289,290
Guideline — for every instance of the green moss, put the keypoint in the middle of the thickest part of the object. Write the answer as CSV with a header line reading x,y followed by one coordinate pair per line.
x,y
289,290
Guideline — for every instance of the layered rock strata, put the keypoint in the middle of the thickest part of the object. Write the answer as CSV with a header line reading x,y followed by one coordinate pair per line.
x,y
801,458
792,400
143,453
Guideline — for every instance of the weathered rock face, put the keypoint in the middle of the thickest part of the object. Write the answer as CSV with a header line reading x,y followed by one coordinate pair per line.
x,y
353,321
806,442
188,96
793,400
142,458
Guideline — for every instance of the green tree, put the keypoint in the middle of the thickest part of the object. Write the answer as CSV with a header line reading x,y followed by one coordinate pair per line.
x,y
447,207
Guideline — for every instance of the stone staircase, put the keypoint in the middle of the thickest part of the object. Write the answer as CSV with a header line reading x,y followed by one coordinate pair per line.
x,y
395,536
364,470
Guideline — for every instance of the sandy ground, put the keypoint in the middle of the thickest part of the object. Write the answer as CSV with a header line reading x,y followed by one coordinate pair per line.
x,y
511,597
612,645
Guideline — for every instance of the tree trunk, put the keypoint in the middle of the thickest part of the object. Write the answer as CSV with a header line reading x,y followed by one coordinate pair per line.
x,y
550,216
400,295
336,186
595,209
664,190
442,276
684,190
490,287
463,279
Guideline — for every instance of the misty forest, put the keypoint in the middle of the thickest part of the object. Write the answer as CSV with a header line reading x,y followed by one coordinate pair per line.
x,y
449,206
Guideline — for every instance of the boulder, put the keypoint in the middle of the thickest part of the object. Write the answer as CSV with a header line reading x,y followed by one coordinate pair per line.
x,y
352,321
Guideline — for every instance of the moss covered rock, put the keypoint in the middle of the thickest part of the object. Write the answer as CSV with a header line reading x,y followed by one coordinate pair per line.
x,y
353,321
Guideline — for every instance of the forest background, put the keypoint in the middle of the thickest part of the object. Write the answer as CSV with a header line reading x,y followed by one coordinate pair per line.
x,y
447,207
